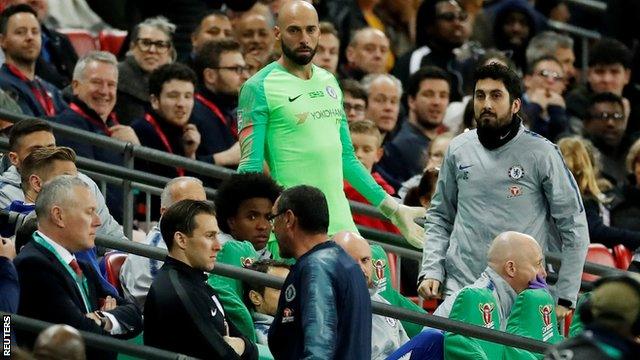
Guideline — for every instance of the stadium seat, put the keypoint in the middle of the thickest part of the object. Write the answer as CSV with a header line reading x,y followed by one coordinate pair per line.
x,y
429,305
598,254
111,40
622,256
113,262
392,260
83,41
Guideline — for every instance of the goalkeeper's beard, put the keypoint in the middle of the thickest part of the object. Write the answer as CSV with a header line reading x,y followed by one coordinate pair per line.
x,y
292,55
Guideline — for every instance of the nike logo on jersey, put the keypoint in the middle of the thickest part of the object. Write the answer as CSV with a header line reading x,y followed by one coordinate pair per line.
x,y
461,167
292,99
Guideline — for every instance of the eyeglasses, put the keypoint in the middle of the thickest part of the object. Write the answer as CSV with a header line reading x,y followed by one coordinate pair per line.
x,y
238,69
355,107
272,217
555,76
146,44
451,16
604,116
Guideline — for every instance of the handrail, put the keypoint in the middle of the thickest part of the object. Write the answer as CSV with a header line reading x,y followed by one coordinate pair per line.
x,y
98,341
377,307
575,30
590,4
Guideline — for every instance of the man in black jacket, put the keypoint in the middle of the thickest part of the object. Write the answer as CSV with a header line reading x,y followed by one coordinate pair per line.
x,y
54,285
180,298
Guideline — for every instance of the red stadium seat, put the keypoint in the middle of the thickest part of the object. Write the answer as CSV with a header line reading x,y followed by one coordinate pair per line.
x,y
112,40
83,41
622,256
113,262
598,254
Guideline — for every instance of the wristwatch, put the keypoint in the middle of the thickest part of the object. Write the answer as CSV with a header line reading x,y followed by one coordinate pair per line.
x,y
101,317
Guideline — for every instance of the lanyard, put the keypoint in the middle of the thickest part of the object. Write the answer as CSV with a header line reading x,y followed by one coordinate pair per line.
x,y
162,137
100,124
216,110
81,282
38,91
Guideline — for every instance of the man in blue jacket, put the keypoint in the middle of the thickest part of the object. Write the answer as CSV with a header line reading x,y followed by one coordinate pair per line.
x,y
324,309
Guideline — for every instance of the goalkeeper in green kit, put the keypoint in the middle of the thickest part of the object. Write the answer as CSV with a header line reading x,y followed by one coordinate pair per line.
x,y
290,114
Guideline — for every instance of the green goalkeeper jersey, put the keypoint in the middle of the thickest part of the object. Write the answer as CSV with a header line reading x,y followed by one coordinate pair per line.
x,y
299,127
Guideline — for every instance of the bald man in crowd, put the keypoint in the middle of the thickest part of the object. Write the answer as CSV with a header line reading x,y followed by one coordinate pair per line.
x,y
59,342
366,53
516,263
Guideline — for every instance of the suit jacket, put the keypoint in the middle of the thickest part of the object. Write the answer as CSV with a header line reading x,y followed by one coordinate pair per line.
x,y
49,293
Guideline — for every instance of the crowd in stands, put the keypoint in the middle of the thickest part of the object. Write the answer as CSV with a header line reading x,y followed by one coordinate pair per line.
x,y
476,110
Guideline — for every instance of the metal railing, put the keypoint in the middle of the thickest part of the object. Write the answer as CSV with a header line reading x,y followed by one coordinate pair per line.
x,y
600,6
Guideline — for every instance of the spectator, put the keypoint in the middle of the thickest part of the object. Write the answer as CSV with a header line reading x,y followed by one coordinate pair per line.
x,y
28,135
515,261
366,54
254,32
328,51
383,101
355,100
137,272
439,30
367,140
151,47
560,46
166,126
59,342
542,101
264,300
243,204
222,71
530,191
604,124
428,95
95,80
9,285
75,15
626,213
336,310
57,56
180,296
57,288
578,160
20,39
611,318
435,155
213,26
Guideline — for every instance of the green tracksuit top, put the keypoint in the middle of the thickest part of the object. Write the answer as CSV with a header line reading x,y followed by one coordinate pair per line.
x,y
299,127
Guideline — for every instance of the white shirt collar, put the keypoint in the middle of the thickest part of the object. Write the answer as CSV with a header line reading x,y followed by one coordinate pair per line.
x,y
64,253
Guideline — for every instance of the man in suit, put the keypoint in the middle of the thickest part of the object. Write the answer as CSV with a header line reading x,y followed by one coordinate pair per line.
x,y
57,288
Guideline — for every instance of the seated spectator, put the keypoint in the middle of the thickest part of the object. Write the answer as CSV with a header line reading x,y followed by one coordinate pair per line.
x,y
180,296
626,213
428,97
58,56
28,135
328,50
58,342
367,140
9,285
611,318
166,127
57,288
18,78
95,80
263,300
75,15
560,46
243,205
383,101
137,272
151,47
254,32
213,26
578,160
354,99
604,124
515,262
435,155
39,167
366,54
542,101
222,71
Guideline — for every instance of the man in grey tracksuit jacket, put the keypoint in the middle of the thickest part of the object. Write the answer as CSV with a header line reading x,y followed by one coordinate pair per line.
x,y
10,191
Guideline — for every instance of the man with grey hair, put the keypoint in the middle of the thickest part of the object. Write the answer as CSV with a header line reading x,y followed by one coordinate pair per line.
x,y
137,272
383,100
54,285
151,46
560,46
95,79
